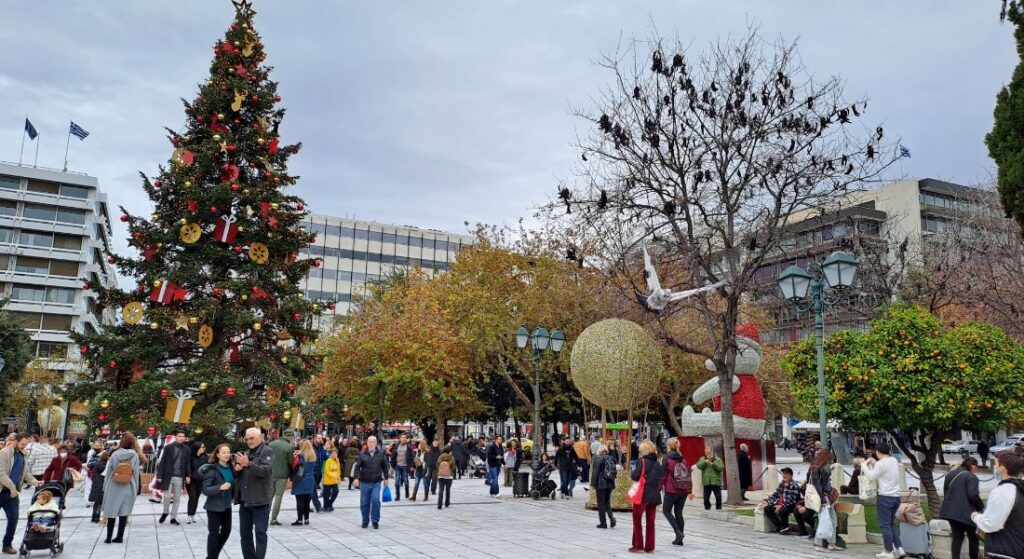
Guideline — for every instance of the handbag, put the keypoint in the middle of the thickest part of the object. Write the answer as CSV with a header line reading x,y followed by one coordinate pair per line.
x,y
910,510
635,495
386,494
812,499
868,489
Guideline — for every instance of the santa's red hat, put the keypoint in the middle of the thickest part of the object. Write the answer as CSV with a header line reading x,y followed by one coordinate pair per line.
x,y
749,331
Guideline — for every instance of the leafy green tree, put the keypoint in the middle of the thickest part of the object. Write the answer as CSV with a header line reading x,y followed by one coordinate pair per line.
x,y
217,302
1006,140
15,350
915,379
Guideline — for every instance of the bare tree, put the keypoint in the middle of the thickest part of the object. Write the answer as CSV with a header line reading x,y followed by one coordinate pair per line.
x,y
708,157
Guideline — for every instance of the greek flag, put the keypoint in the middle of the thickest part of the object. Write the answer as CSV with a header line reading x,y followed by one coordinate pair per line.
x,y
30,130
904,152
78,131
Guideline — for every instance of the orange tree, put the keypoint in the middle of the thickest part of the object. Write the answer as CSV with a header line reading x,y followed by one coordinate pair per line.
x,y
915,379
400,347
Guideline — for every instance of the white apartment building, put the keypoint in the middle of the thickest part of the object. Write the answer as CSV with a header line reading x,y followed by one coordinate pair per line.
x,y
54,232
356,253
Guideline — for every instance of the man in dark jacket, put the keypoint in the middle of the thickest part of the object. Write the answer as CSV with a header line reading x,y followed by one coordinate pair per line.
x,y
371,471
254,491
495,455
321,456
565,461
172,473
746,469
983,450
603,485
461,458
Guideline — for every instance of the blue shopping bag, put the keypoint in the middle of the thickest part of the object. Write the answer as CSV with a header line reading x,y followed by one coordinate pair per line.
x,y
387,494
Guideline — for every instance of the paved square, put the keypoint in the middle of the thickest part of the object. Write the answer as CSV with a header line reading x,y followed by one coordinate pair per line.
x,y
476,526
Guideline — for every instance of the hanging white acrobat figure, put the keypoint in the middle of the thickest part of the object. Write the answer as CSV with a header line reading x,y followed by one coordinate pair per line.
x,y
659,298
748,402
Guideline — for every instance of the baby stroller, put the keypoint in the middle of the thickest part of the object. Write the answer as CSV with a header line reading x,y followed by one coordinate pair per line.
x,y
42,531
541,484
478,465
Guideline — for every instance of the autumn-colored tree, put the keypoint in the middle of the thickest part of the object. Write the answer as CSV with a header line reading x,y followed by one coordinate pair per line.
x,y
917,380
399,344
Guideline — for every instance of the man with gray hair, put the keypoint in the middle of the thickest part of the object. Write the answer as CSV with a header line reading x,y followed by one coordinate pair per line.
x,y
255,492
370,471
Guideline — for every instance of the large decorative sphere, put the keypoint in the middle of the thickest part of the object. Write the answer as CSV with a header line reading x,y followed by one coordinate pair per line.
x,y
616,364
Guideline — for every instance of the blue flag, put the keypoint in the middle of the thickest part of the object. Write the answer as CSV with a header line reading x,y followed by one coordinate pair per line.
x,y
30,130
78,131
904,152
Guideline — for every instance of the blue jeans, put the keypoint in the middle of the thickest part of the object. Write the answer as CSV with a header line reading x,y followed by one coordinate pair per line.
x,y
886,515
10,507
369,501
401,480
494,477
565,477
426,484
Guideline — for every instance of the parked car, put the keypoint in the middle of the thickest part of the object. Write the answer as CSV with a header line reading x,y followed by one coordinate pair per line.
x,y
960,447
1009,444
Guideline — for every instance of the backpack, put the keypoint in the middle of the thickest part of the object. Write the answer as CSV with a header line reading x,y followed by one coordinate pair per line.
x,y
609,471
123,471
444,469
681,479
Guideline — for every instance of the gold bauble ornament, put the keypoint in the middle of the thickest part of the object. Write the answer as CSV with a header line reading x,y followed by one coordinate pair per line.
x,y
284,360
257,325
216,137
316,307
245,191
260,141
188,184
184,221
287,414
153,325
159,245
157,283
186,138
155,217
220,116
193,320
236,43
104,403
190,232
259,253
275,205
198,431
244,297
203,386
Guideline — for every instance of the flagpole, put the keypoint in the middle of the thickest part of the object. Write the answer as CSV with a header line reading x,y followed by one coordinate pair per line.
x,y
39,139
24,132
66,147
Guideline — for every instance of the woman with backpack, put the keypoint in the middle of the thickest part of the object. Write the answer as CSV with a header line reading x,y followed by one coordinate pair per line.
x,y
303,480
120,486
602,479
678,486
446,467
651,472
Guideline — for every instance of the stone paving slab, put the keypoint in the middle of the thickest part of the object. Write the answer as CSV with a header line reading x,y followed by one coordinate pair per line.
x,y
475,526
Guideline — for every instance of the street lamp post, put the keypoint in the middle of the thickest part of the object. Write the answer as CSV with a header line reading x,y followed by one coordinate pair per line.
x,y
838,271
539,340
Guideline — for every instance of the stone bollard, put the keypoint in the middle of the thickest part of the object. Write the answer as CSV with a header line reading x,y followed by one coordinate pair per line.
x,y
771,480
762,524
697,477
942,539
856,523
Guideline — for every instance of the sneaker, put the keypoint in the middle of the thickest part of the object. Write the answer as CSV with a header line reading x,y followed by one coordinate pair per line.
x,y
163,517
885,555
275,523
191,520
174,521
898,552
819,548
784,532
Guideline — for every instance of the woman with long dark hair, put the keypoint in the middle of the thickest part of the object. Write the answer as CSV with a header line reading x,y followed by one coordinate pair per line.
x,y
820,477
218,482
198,458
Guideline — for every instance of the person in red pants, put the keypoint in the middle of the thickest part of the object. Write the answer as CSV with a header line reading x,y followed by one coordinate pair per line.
x,y
651,471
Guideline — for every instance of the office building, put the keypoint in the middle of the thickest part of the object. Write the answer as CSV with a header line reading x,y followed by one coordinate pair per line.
x,y
356,253
54,234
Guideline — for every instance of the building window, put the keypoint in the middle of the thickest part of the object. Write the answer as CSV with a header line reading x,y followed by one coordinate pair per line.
x,y
31,238
74,191
67,242
10,183
42,213
60,295
56,322
28,293
43,187
5,262
29,320
65,215
8,207
29,265
63,268
6,235
52,350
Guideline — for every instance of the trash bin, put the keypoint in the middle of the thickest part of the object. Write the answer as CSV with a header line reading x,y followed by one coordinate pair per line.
x,y
521,484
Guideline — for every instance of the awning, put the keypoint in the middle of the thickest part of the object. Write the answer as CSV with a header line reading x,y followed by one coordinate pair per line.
x,y
815,426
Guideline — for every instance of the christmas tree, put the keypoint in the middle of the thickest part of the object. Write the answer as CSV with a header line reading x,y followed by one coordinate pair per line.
x,y
217,331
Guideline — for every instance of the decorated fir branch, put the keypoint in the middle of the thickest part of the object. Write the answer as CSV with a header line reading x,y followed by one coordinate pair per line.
x,y
217,302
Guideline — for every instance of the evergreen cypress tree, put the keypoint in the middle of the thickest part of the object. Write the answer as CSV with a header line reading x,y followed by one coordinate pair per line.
x,y
217,307
1006,140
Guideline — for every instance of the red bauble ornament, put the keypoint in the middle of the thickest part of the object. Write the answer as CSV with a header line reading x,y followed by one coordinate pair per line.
x,y
291,387
327,411
218,292
124,218
141,288
151,430
230,391
235,187
213,209
223,88
237,249
297,316
300,207
232,147
113,364
331,306
137,235
272,416
85,286
111,260
237,122
255,97
316,263
165,393
102,416
83,349
234,26
277,98
156,184
312,239
192,205
277,179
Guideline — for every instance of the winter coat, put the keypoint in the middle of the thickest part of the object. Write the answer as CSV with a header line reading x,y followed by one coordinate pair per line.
x,y
597,479
351,456
431,461
565,458
197,461
332,471
711,470
96,469
746,469
165,468
59,464
653,473
254,484
217,500
670,461
119,498
306,483
962,496
372,468
459,451
450,459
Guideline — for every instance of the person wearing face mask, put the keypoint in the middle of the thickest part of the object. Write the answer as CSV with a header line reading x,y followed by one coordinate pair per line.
x,y
59,467
1003,519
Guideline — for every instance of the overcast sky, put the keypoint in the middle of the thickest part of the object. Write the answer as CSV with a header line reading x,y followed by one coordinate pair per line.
x,y
435,113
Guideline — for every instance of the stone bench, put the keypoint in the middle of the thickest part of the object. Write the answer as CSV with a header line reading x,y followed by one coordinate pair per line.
x,y
853,525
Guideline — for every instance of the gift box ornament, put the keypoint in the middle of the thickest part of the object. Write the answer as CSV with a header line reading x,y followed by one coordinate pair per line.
x,y
226,229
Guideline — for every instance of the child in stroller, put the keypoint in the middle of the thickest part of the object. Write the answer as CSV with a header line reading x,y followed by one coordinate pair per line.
x,y
478,466
43,528
541,484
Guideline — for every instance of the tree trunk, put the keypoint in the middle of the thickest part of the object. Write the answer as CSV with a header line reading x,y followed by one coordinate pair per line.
x,y
440,421
930,446
673,420
727,368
